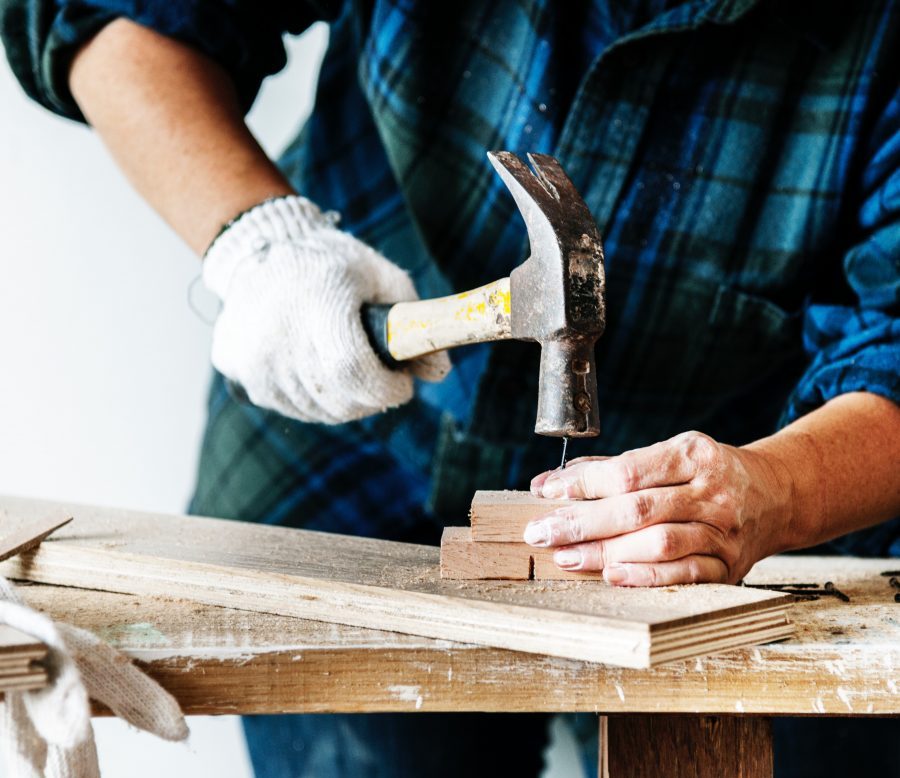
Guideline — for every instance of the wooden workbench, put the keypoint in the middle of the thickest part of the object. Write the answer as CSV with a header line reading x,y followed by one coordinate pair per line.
x,y
844,660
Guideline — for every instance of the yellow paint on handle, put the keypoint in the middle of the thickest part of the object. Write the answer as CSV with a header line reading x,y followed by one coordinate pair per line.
x,y
425,326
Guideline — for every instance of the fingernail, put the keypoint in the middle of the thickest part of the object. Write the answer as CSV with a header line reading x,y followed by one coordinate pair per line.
x,y
537,482
568,559
615,574
555,488
537,533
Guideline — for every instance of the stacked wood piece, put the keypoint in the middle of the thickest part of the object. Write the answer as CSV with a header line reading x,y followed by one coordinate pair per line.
x,y
19,655
492,547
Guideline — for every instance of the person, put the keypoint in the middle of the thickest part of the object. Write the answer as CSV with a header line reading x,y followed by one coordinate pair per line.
x,y
742,158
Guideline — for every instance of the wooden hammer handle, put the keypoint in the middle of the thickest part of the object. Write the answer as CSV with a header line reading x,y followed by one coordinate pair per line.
x,y
409,330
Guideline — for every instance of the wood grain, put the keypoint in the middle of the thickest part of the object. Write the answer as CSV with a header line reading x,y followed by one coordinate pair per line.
x,y
501,516
686,747
376,584
464,559
842,660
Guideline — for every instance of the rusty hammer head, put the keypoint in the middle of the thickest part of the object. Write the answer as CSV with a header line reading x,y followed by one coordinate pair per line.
x,y
557,294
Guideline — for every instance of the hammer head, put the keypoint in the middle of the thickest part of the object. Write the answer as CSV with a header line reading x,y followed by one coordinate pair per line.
x,y
558,293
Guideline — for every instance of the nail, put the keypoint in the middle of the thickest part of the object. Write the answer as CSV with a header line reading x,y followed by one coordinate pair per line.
x,y
568,559
555,488
537,482
537,533
615,574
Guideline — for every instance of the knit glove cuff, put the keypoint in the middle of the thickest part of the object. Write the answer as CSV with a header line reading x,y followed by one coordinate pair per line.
x,y
279,220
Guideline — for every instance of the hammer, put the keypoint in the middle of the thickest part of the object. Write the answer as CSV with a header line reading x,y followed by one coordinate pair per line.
x,y
555,297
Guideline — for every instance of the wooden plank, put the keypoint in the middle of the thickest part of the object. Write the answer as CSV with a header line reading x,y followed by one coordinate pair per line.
x,y
27,536
685,747
464,559
842,661
396,586
501,516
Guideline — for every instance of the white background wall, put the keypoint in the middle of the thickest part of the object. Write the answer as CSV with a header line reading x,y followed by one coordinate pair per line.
x,y
103,364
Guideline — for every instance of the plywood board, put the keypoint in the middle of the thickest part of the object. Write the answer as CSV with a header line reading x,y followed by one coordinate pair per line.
x,y
464,559
501,516
381,585
842,660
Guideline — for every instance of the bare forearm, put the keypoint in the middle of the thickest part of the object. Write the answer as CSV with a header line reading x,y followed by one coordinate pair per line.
x,y
170,117
842,464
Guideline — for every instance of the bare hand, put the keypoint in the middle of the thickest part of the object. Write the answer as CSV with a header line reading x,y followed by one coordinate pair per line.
x,y
687,510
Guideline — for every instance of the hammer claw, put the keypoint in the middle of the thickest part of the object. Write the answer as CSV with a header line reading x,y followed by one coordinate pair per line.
x,y
527,190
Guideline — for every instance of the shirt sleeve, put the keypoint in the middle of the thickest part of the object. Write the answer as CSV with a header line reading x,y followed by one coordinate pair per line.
x,y
854,338
243,36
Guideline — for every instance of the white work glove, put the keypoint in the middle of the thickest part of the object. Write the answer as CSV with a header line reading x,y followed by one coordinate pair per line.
x,y
47,733
290,331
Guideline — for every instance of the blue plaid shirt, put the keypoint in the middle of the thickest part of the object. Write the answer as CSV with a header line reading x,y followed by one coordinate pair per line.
x,y
742,158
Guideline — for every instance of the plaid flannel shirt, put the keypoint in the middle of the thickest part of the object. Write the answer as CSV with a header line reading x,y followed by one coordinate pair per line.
x,y
742,158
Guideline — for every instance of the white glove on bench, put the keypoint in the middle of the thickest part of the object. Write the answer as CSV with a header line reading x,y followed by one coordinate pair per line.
x,y
47,733
290,331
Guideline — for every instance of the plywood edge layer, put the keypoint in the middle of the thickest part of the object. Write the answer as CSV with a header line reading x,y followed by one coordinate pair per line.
x,y
712,645
757,620
25,682
728,612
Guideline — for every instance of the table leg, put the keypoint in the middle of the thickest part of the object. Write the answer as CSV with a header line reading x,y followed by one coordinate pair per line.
x,y
654,746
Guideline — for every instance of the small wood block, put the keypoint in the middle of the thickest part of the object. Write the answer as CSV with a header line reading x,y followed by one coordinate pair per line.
x,y
27,537
464,559
500,517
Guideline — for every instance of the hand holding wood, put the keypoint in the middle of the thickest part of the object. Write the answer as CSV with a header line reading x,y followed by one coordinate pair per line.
x,y
687,510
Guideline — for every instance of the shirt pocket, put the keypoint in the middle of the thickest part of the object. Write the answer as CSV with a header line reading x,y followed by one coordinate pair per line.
x,y
752,357
697,354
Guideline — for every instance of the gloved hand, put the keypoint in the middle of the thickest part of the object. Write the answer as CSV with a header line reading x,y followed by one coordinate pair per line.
x,y
47,733
290,331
